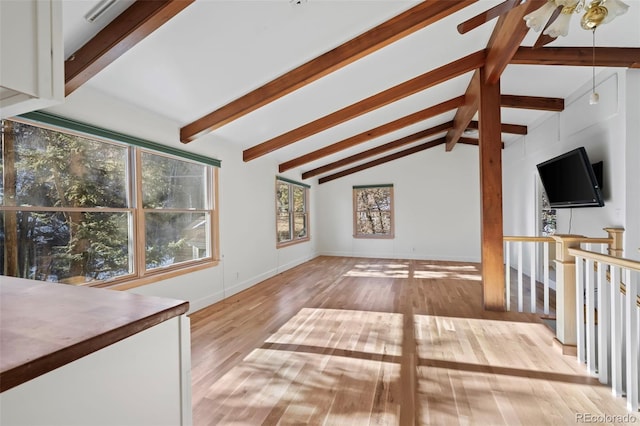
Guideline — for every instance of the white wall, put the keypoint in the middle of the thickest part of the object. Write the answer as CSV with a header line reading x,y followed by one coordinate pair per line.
x,y
609,133
437,208
632,157
246,200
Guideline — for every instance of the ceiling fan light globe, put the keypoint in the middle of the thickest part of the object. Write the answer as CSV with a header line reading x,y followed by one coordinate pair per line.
x,y
567,3
614,8
539,17
559,27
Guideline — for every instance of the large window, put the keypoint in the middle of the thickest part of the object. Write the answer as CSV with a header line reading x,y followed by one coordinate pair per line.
x,y
292,215
81,209
373,211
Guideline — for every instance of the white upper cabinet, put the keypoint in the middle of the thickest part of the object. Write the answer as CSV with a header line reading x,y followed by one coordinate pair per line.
x,y
31,55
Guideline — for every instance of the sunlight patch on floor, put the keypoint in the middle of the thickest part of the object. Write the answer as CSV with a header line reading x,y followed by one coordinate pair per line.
x,y
378,270
505,372
323,366
424,269
453,272
446,275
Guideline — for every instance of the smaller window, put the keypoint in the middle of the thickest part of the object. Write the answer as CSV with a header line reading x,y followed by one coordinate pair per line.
x,y
548,217
373,211
292,214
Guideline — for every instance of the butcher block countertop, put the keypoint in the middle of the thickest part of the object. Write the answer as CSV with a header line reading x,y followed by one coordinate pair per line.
x,y
44,326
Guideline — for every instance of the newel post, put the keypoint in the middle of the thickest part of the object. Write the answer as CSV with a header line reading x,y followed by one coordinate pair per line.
x,y
615,246
566,327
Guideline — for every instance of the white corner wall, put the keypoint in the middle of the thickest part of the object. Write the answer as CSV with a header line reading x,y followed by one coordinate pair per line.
x,y
632,169
246,203
609,133
437,208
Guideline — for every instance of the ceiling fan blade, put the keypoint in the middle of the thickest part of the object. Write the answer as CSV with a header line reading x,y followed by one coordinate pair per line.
x,y
487,15
545,39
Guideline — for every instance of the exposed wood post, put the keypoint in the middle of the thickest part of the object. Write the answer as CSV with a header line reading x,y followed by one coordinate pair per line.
x,y
491,194
566,288
615,247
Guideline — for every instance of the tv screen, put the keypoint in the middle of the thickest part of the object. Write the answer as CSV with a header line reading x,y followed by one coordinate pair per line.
x,y
569,181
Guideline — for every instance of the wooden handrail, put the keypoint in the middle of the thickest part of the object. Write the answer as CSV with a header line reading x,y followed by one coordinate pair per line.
x,y
598,240
605,258
529,239
603,240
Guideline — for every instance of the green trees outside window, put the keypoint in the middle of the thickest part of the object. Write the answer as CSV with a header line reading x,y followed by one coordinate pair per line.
x,y
292,217
78,210
373,211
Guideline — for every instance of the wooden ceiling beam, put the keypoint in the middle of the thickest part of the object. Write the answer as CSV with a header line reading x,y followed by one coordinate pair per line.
x,y
532,102
373,133
622,57
393,94
382,160
472,141
408,22
378,150
507,35
465,113
486,16
138,21
515,129
510,34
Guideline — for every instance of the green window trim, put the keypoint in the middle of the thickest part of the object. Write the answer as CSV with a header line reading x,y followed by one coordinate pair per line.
x,y
76,126
284,179
386,185
370,220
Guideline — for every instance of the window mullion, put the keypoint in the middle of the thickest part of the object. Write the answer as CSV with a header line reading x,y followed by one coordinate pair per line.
x,y
292,210
139,242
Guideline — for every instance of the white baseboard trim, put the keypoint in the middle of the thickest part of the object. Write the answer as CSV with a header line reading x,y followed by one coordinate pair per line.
x,y
297,262
196,305
400,256
204,302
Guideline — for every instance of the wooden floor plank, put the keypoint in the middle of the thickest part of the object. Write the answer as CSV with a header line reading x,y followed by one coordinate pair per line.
x,y
340,341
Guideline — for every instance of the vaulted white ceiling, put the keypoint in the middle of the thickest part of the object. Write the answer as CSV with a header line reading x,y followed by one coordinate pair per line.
x,y
216,51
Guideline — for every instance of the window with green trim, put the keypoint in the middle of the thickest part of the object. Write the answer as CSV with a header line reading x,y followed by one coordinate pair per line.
x,y
80,209
373,211
292,215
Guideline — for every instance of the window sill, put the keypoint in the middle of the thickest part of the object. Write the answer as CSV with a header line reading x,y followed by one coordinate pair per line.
x,y
160,276
292,243
375,237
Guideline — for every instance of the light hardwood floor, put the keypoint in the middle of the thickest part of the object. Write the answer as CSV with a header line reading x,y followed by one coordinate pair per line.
x,y
349,341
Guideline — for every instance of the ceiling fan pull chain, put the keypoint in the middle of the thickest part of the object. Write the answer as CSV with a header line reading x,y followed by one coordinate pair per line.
x,y
594,98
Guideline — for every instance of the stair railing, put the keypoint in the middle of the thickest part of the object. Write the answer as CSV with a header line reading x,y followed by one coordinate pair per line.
x,y
608,320
535,245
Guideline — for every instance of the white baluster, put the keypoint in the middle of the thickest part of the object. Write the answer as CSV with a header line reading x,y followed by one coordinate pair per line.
x,y
638,341
590,311
508,275
520,286
604,338
631,339
546,277
616,332
580,309
532,275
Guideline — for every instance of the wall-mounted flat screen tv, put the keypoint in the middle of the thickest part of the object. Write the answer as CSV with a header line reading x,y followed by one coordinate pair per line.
x,y
569,181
